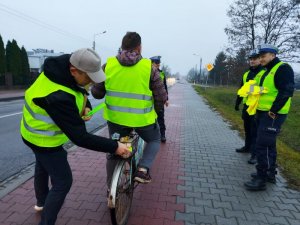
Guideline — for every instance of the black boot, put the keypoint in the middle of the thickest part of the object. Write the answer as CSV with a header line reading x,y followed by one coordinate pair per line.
x,y
271,178
242,150
163,137
256,184
252,160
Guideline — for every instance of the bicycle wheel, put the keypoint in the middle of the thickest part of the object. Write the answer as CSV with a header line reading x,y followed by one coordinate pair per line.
x,y
121,193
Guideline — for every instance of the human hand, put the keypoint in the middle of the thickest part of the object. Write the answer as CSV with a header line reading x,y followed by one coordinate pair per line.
x,y
85,116
272,115
123,150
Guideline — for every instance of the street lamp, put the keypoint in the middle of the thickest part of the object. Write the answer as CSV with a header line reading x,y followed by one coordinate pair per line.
x,y
200,65
94,42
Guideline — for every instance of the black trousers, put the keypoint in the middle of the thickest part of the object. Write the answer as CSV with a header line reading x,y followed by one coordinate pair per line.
x,y
267,132
250,130
161,121
53,163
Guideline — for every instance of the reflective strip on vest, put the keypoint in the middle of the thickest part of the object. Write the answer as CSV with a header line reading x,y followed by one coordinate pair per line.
x,y
128,95
46,119
129,110
43,132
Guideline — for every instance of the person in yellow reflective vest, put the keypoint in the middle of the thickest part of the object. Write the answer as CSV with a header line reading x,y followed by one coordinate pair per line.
x,y
272,110
52,114
133,93
254,72
161,114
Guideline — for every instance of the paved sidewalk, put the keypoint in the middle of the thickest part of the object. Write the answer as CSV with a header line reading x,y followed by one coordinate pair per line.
x,y
197,179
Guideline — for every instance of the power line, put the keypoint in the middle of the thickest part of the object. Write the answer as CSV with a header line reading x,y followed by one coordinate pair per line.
x,y
27,18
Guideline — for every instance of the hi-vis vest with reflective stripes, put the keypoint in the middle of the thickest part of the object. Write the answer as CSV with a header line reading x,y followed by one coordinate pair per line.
x,y
128,99
256,78
37,127
162,75
252,92
266,100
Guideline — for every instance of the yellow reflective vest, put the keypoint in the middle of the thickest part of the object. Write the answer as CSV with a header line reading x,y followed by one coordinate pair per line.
x,y
37,127
256,78
162,75
266,100
128,99
251,92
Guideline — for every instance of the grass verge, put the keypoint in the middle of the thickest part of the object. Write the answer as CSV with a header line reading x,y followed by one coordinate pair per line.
x,y
288,142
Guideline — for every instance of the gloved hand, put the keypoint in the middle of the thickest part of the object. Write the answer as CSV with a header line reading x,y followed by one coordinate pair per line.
x,y
237,107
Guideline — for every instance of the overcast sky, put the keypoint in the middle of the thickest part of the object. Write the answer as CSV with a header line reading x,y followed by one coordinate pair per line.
x,y
174,29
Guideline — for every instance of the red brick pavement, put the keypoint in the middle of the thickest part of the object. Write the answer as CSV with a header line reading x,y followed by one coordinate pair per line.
x,y
154,204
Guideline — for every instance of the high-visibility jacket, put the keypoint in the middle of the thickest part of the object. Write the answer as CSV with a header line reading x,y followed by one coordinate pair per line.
x,y
256,78
128,99
251,92
37,127
162,75
266,100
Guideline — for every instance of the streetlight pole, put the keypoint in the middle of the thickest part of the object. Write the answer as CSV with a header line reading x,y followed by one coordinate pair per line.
x,y
94,41
200,65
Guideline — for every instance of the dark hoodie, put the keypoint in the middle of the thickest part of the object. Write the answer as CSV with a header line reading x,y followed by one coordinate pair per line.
x,y
156,85
61,107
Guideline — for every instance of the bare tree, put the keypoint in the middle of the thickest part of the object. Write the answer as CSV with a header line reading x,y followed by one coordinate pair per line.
x,y
269,21
244,23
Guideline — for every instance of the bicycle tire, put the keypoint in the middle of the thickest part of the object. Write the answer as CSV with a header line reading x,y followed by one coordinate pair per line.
x,y
121,193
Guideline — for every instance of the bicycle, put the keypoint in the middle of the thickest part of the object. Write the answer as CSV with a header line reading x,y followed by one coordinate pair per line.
x,y
122,185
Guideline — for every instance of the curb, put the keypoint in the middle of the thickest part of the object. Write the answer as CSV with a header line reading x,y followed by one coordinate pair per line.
x,y
13,182
11,98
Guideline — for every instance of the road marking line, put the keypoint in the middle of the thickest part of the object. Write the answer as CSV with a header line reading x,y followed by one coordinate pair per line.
x,y
10,115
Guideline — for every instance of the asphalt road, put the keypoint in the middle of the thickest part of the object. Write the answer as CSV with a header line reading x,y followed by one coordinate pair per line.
x,y
14,155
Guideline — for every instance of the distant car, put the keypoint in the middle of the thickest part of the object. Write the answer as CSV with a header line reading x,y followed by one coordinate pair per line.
x,y
177,78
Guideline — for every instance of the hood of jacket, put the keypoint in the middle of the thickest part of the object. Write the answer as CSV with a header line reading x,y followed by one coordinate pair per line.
x,y
57,69
129,58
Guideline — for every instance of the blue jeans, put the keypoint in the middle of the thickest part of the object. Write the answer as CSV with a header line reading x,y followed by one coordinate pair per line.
x,y
150,134
267,131
53,164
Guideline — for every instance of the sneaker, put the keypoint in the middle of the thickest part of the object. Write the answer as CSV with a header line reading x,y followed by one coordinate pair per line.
x,y
38,208
142,176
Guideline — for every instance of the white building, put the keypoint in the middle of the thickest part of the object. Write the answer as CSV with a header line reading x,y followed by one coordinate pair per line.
x,y
36,58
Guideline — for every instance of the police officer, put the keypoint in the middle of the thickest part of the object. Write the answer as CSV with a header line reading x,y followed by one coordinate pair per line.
x,y
54,106
255,71
161,114
272,111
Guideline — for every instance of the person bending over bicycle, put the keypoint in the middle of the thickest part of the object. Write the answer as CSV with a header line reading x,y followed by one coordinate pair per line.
x,y
133,94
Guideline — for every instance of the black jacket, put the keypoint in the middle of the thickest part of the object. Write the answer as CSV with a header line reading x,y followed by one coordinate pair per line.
x,y
61,107
284,82
253,72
